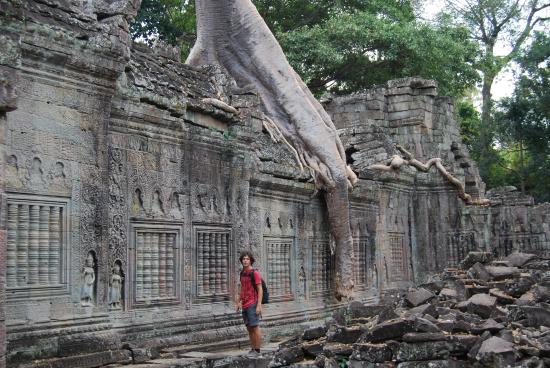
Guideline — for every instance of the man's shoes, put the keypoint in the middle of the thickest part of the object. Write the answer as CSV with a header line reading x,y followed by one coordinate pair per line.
x,y
253,354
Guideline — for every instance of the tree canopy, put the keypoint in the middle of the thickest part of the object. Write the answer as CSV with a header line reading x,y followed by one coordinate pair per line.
x,y
340,46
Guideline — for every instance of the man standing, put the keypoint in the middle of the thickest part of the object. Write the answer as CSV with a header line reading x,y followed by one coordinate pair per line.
x,y
250,300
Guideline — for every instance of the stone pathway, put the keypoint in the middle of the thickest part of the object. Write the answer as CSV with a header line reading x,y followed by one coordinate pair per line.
x,y
235,358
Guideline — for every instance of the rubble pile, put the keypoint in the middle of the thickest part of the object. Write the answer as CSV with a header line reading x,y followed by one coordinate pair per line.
x,y
487,313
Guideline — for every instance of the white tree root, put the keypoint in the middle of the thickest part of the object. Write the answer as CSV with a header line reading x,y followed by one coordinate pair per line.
x,y
396,162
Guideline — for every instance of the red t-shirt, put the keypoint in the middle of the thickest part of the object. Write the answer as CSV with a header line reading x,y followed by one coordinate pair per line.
x,y
249,296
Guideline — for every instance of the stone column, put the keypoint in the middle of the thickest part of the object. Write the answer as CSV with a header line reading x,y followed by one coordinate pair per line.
x,y
8,75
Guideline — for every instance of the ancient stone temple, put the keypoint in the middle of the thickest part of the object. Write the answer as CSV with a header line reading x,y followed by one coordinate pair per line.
x,y
127,191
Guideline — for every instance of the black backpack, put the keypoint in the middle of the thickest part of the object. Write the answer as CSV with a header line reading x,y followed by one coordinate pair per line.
x,y
265,296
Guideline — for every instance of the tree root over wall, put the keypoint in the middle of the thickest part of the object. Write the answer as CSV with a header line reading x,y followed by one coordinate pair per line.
x,y
233,35
396,162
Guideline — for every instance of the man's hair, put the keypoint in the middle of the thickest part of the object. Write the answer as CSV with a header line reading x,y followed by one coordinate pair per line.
x,y
245,253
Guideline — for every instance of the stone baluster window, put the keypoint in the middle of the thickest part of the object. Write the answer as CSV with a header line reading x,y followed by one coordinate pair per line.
x,y
213,246
398,258
154,256
36,243
279,269
322,264
362,262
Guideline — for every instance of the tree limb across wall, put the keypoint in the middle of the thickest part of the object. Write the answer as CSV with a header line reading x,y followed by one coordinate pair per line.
x,y
233,35
396,162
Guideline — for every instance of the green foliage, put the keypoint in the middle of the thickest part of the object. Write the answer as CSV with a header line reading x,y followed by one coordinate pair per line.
x,y
469,121
171,21
523,123
340,46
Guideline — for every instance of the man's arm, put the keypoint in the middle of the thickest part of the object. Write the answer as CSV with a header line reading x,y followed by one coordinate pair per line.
x,y
238,300
260,291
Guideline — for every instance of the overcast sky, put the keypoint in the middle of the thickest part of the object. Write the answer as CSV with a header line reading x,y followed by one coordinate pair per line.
x,y
504,83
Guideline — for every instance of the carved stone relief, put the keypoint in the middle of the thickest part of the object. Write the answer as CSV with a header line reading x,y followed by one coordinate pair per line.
x,y
118,214
458,246
116,285
88,280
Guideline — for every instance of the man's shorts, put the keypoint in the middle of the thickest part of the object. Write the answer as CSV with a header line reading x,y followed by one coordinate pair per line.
x,y
250,317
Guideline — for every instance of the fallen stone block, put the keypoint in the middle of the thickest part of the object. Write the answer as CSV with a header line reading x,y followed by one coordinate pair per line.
x,y
532,316
489,325
478,271
432,350
496,352
418,297
482,305
422,310
313,349
423,325
475,257
449,363
447,294
344,335
359,310
502,297
502,272
518,259
314,333
424,336
287,356
336,349
375,353
393,329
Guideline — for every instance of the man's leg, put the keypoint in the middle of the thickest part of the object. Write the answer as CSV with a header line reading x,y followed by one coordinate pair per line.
x,y
255,337
251,335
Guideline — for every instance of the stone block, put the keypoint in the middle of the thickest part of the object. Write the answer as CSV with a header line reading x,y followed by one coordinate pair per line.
x,y
518,259
424,336
418,297
344,335
88,343
482,305
502,297
474,257
312,349
287,356
423,309
375,353
478,271
424,325
314,333
387,330
422,351
502,272
359,310
450,363
497,352
333,349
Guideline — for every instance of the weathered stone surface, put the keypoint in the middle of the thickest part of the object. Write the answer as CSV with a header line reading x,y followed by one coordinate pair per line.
x,y
449,363
314,333
489,325
375,353
388,330
501,272
344,335
423,309
422,351
423,336
287,356
336,349
313,348
518,259
475,257
478,271
418,297
482,305
496,351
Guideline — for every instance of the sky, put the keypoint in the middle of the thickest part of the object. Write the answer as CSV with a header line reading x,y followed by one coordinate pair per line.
x,y
504,83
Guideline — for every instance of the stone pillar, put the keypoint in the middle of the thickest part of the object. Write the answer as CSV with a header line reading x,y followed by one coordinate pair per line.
x,y
8,74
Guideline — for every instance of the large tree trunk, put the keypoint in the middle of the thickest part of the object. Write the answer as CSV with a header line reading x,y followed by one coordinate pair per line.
x,y
232,34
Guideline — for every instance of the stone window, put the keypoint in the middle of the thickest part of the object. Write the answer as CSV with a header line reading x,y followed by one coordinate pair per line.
x,y
213,246
322,264
362,262
399,270
36,244
155,261
279,268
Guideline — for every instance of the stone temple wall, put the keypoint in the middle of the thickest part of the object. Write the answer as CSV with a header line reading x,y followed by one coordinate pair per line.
x,y
126,195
